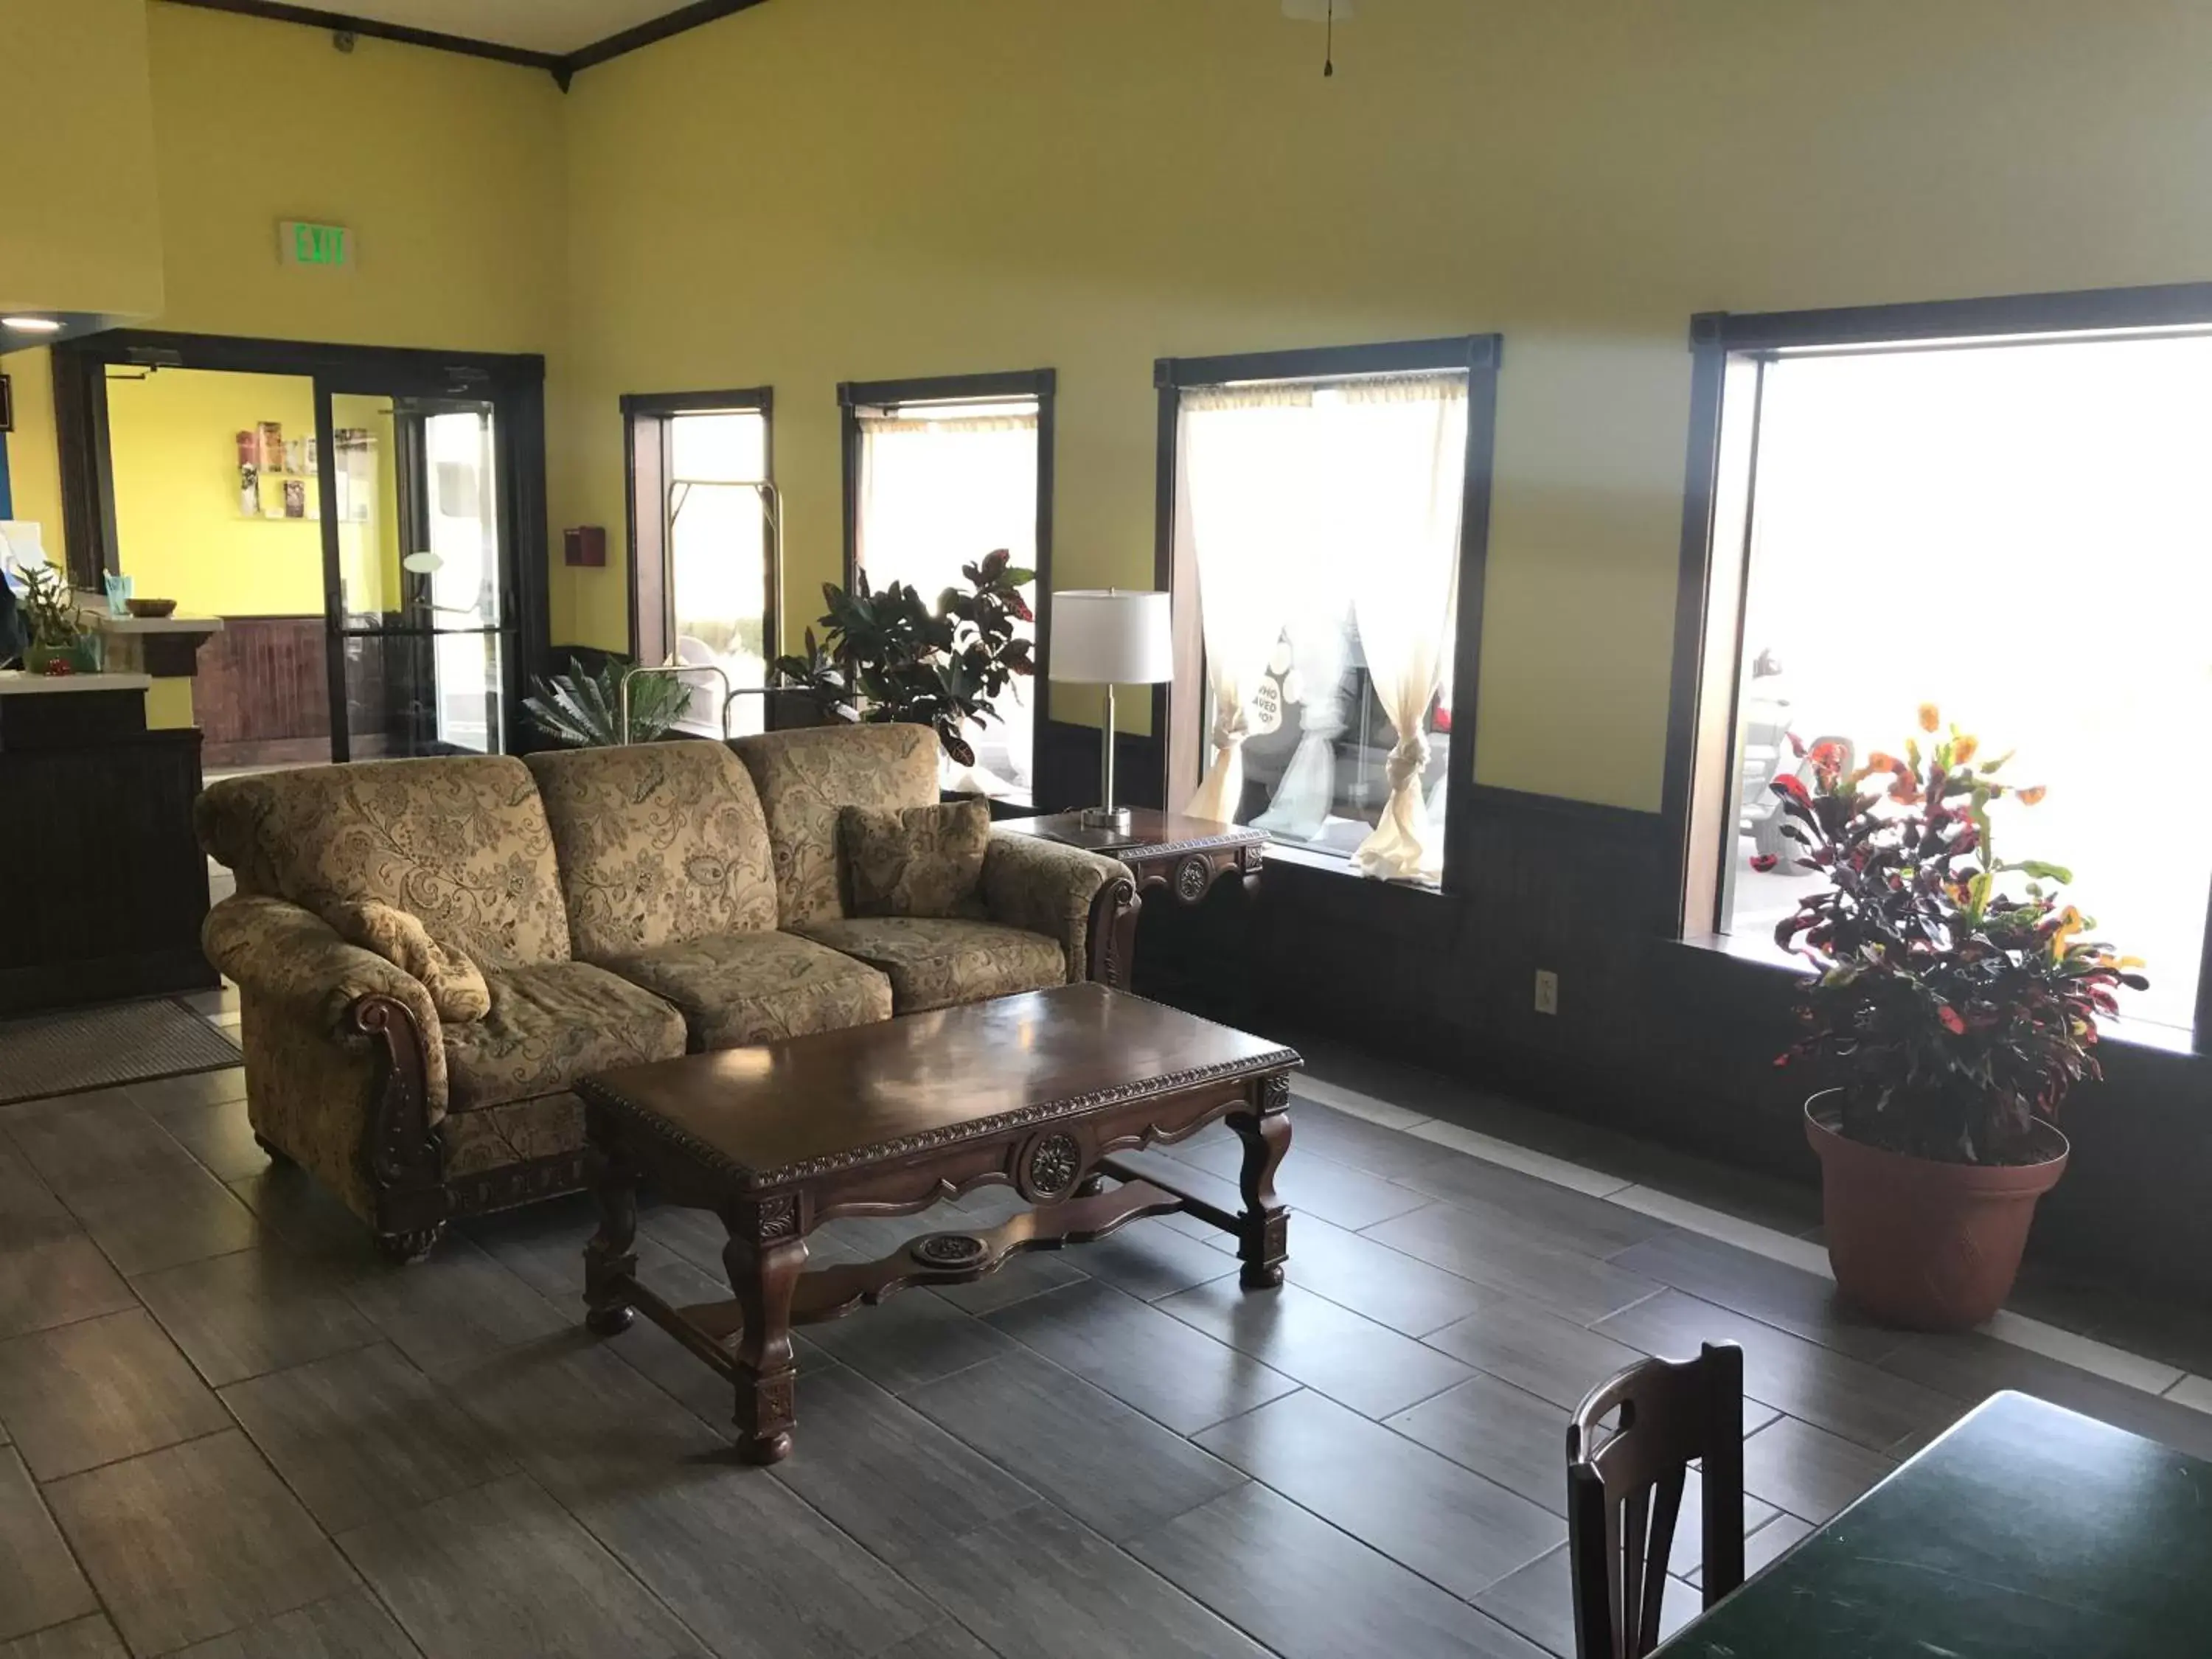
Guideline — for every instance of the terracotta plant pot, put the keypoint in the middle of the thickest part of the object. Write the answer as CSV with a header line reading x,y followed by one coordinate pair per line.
x,y
1930,1246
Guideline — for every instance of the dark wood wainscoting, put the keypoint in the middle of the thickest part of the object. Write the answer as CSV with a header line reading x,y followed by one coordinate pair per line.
x,y
1671,1041
263,695
1067,769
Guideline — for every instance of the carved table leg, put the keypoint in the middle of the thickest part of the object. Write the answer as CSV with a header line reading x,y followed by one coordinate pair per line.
x,y
763,1259
1264,1127
611,1259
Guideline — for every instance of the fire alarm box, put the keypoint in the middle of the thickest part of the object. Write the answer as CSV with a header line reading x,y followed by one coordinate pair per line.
x,y
584,545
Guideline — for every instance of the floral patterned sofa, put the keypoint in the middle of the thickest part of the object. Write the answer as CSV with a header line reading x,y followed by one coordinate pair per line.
x,y
429,953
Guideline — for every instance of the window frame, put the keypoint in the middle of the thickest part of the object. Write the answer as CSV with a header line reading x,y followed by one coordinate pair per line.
x,y
646,437
1480,356
1729,353
1042,384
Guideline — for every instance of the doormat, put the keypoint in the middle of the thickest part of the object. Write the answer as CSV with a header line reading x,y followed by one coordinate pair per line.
x,y
97,1047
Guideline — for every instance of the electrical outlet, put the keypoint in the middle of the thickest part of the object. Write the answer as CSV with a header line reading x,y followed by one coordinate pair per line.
x,y
1547,992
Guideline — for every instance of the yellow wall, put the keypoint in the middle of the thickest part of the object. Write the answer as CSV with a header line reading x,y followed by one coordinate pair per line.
x,y
34,471
896,187
178,525
79,229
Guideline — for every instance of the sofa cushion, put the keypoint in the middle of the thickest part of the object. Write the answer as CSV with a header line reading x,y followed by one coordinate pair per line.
x,y
455,983
551,1024
459,842
914,860
736,988
657,843
804,776
520,1132
935,962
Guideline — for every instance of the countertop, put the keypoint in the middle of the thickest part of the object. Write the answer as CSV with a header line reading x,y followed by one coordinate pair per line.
x,y
16,683
108,623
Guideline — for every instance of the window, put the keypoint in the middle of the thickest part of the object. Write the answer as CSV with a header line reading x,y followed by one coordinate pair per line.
x,y
1329,512
938,473
704,517
2013,524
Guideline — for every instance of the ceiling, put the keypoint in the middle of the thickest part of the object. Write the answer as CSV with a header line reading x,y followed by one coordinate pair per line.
x,y
553,26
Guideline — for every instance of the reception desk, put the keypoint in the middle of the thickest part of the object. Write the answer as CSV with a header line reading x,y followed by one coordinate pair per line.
x,y
104,888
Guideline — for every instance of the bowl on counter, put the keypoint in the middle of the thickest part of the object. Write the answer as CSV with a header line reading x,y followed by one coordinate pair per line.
x,y
147,608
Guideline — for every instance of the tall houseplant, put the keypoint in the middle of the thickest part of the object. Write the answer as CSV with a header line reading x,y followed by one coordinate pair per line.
x,y
61,643
886,654
1955,1007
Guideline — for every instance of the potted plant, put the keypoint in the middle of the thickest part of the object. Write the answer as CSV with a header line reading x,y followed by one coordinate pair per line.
x,y
1956,1005
887,655
60,641
583,710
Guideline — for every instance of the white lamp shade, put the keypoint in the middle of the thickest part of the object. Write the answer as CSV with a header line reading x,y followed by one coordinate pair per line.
x,y
1111,636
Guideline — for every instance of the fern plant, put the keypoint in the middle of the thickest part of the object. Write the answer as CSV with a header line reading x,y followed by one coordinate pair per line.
x,y
581,709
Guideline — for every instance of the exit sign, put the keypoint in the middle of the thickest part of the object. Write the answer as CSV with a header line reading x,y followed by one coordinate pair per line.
x,y
330,248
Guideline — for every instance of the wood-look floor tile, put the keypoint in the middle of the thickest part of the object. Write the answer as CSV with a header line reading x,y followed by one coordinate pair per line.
x,y
218,1133
908,1341
102,1389
1773,1292
1117,1471
1149,1261
92,1637
253,1311
163,1221
1334,1192
1765,1545
944,1640
503,1572
1807,1471
1489,1250
93,1140
753,1570
1386,1286
888,1475
1576,1221
584,1424
1319,1131
543,1245
313,1225
456,1309
1040,1582
1524,1343
362,1434
1168,1370
52,1273
1310,1591
40,1584
1969,1367
168,1094
194,1542
1030,1273
1310,1340
348,1626
1425,1512
1538,1601
1501,1433
1877,1408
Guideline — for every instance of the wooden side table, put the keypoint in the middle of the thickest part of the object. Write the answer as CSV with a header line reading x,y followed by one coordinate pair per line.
x,y
1183,857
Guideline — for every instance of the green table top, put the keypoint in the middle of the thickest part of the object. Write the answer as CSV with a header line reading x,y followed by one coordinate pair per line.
x,y
2026,1532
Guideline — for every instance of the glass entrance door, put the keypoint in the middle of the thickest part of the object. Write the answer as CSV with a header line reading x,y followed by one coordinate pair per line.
x,y
415,561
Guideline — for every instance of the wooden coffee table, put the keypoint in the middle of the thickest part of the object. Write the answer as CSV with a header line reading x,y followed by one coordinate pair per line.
x,y
1037,1092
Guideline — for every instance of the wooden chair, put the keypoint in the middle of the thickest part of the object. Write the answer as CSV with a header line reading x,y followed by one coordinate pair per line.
x,y
1624,1492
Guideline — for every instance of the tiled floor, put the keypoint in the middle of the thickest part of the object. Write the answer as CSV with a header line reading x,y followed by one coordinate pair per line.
x,y
226,1429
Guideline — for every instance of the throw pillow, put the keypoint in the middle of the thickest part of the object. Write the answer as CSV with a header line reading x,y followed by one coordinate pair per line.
x,y
455,983
914,860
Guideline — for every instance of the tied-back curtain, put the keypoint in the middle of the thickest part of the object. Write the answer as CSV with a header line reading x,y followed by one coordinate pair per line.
x,y
1407,440
1310,503
937,492
1246,451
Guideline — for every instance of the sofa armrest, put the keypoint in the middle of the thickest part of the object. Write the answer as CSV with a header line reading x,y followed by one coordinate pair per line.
x,y
291,962
1085,901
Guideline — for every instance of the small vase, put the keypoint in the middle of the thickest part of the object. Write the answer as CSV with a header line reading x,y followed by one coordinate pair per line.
x,y
1927,1245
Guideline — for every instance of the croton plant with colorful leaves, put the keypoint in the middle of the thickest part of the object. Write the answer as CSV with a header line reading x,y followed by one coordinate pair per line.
x,y
1959,994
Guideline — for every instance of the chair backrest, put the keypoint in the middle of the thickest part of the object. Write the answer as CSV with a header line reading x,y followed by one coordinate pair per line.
x,y
804,776
1625,1482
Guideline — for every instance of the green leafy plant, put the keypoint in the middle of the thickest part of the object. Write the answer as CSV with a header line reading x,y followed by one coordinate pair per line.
x,y
1958,996
48,610
581,709
885,655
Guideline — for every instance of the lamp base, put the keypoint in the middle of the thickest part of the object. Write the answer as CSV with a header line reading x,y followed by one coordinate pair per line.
x,y
1106,818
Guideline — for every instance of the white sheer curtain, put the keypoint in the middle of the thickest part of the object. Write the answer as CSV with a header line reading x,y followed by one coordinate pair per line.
x,y
1408,442
1313,506
938,490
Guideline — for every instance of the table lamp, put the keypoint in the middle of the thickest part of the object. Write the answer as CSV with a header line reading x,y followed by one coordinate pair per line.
x,y
1110,637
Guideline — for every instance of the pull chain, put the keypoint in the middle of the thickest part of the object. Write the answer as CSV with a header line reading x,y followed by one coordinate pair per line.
x,y
1328,47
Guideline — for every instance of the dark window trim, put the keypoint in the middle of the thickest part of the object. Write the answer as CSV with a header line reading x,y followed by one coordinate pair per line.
x,y
1719,339
1481,356
1042,384
655,408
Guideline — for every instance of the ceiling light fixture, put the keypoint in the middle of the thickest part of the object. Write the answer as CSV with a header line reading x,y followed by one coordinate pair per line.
x,y
1325,12
31,324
